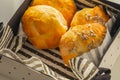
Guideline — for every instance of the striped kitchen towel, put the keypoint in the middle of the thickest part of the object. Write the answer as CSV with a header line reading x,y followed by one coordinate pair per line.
x,y
86,71
21,46
34,63
83,68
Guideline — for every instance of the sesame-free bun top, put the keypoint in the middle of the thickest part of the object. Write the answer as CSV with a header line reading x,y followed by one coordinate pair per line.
x,y
44,26
89,15
80,39
66,7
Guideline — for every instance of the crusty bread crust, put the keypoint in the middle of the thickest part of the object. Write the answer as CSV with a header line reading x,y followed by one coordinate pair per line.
x,y
89,15
66,7
80,39
44,26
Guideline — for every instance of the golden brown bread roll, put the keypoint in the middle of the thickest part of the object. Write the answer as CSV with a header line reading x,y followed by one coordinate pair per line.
x,y
80,39
66,7
89,15
44,26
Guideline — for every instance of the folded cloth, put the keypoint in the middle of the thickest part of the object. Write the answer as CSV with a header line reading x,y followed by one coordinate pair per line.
x,y
83,68
86,70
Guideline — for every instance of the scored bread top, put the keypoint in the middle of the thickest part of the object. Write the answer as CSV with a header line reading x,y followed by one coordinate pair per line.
x,y
80,39
89,15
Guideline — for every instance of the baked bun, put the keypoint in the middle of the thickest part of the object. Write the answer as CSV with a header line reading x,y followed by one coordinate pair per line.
x,y
89,15
80,39
44,26
66,7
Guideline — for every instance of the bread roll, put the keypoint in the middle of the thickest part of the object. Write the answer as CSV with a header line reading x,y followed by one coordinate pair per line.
x,y
80,39
89,15
44,26
66,7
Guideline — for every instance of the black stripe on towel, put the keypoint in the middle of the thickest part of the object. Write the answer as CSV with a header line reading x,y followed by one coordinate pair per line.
x,y
106,4
16,44
49,51
45,57
10,42
62,73
52,53
117,6
84,3
1,28
5,37
24,54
